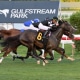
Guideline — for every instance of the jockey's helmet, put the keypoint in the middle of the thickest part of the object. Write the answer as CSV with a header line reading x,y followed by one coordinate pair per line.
x,y
36,20
55,18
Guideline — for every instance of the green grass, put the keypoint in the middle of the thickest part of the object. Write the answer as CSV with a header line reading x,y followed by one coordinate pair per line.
x,y
29,70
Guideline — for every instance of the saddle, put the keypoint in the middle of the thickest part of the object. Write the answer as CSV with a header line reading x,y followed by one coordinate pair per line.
x,y
41,37
40,34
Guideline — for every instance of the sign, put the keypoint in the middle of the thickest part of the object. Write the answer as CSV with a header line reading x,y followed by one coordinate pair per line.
x,y
76,37
21,11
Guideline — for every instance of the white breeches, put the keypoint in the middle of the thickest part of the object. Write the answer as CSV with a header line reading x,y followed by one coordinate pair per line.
x,y
41,26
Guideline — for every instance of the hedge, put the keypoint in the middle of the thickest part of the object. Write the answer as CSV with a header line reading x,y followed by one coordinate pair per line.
x,y
75,21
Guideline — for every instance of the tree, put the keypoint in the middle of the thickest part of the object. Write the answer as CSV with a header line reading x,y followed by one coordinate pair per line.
x,y
75,21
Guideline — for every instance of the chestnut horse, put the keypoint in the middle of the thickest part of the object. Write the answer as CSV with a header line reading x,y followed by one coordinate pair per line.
x,y
9,33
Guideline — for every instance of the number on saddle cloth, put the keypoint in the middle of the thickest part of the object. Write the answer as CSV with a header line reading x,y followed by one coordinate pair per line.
x,y
39,36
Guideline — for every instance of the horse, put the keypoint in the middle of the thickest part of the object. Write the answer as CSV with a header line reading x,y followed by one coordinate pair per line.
x,y
5,34
53,42
9,33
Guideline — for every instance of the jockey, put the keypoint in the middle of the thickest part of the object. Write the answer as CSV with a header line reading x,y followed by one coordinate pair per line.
x,y
51,25
48,25
45,25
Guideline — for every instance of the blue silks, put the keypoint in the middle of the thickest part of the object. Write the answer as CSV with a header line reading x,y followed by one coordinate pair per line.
x,y
28,23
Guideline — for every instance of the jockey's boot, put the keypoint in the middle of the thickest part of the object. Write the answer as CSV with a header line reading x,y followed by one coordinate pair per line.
x,y
45,38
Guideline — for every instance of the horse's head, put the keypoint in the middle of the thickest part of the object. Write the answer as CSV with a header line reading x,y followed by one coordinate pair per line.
x,y
68,29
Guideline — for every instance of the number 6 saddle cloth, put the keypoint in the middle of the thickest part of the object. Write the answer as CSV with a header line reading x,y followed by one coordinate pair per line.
x,y
40,35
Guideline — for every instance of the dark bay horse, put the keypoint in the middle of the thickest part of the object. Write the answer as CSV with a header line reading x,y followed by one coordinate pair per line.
x,y
5,34
28,39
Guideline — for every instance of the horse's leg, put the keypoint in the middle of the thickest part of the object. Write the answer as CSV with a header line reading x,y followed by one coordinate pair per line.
x,y
5,54
62,52
41,55
51,56
40,52
45,54
30,48
3,49
35,53
15,55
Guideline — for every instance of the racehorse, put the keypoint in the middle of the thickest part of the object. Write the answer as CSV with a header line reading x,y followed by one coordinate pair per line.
x,y
5,34
9,33
53,42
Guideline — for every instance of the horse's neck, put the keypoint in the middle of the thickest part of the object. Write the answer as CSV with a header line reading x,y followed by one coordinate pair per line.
x,y
58,34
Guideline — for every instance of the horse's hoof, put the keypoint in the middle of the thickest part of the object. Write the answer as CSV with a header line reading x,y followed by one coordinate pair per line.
x,y
38,62
0,61
0,51
22,59
59,59
69,58
44,64
13,58
46,61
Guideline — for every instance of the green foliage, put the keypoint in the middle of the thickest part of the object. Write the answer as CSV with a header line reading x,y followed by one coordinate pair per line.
x,y
77,43
75,21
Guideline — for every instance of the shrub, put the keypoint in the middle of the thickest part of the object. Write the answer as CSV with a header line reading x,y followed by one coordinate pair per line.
x,y
75,21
